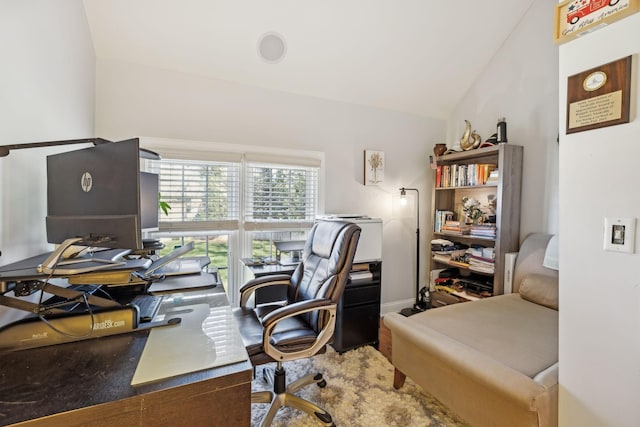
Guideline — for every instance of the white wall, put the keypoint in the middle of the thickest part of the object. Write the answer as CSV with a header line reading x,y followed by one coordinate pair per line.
x,y
47,84
134,100
47,93
599,291
520,84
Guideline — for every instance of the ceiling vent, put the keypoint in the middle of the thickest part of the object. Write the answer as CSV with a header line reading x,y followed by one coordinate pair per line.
x,y
272,47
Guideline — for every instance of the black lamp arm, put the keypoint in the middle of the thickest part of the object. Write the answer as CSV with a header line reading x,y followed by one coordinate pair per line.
x,y
4,149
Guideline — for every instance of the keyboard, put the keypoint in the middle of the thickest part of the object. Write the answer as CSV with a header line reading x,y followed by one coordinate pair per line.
x,y
148,305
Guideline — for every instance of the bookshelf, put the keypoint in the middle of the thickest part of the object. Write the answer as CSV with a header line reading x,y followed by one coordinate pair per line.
x,y
493,177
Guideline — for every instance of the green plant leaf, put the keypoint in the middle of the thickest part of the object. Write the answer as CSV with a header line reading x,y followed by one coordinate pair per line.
x,y
164,206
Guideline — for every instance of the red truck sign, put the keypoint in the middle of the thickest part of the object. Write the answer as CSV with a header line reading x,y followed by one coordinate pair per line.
x,y
581,8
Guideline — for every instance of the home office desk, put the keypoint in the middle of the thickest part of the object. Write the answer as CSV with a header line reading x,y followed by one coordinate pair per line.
x,y
89,382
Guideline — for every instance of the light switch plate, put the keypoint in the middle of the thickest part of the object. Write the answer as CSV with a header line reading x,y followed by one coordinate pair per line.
x,y
619,234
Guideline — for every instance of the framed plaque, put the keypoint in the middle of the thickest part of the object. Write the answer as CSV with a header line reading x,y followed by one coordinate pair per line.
x,y
575,18
599,97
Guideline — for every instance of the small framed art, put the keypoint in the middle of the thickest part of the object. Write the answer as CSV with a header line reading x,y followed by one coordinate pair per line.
x,y
575,18
373,167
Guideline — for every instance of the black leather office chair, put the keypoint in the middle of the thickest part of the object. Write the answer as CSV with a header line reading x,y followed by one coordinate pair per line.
x,y
302,325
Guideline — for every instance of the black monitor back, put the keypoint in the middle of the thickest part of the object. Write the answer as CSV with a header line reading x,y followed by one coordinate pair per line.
x,y
94,194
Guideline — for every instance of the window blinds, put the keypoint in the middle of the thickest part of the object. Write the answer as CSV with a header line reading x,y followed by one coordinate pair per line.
x,y
280,196
202,195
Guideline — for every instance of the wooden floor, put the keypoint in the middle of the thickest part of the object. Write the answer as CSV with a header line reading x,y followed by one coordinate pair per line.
x,y
385,340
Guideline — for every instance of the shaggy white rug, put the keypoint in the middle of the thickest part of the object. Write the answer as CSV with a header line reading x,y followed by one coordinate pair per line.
x,y
359,392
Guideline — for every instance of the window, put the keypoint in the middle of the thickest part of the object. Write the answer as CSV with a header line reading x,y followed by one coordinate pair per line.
x,y
202,195
204,207
235,209
281,196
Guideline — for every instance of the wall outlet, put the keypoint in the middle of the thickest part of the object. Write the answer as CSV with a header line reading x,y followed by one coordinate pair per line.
x,y
619,234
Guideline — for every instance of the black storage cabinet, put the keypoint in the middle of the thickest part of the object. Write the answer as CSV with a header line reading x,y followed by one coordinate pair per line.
x,y
358,315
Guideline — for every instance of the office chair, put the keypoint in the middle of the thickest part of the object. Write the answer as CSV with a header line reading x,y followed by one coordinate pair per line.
x,y
303,324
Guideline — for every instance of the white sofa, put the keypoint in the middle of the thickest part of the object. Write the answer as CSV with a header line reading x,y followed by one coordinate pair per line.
x,y
494,361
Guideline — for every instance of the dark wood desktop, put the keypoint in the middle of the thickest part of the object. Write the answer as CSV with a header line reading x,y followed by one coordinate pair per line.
x,y
89,383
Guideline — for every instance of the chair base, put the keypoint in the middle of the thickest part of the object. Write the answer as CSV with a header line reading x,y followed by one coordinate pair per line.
x,y
281,397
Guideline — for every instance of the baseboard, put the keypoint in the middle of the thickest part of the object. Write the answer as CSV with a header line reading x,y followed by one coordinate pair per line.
x,y
395,306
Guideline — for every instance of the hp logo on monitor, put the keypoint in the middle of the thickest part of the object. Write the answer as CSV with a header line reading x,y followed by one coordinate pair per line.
x,y
86,182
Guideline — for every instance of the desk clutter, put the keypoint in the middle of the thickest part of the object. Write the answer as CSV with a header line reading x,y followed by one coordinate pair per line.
x,y
450,281
475,258
120,299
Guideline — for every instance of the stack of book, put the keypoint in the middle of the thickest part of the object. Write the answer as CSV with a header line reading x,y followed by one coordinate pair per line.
x,y
455,227
481,265
483,230
440,218
360,273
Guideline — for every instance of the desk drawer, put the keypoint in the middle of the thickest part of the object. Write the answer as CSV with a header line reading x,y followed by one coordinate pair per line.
x,y
357,295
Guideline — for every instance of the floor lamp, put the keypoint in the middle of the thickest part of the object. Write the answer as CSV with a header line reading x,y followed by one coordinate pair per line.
x,y
403,200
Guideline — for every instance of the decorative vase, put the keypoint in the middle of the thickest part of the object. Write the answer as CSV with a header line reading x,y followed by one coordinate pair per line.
x,y
439,149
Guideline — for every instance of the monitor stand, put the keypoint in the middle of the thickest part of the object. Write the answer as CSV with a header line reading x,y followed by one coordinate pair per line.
x,y
53,324
52,264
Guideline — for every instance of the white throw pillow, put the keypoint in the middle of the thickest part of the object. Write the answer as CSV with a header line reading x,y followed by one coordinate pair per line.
x,y
551,254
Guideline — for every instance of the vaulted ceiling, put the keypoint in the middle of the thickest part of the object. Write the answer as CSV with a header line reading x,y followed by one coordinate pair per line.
x,y
414,56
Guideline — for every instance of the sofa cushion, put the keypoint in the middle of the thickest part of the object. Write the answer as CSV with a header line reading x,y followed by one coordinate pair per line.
x,y
506,328
540,289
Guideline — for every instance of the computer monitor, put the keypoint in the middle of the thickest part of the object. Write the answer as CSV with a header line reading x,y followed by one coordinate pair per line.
x,y
98,197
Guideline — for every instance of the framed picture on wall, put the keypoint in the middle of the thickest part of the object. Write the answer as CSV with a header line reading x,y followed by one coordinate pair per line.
x,y
373,167
600,96
575,18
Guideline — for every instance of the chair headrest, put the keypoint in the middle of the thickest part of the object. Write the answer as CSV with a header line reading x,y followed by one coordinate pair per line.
x,y
325,237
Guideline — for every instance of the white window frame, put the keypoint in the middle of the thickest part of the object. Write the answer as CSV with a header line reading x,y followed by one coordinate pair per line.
x,y
240,239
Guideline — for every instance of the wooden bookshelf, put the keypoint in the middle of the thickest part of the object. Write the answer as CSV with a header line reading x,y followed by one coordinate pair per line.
x,y
505,190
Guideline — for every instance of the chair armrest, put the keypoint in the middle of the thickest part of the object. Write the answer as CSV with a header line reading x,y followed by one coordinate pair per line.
x,y
261,282
271,320
295,309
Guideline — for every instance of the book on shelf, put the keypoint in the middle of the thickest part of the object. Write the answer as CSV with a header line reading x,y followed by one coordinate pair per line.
x,y
479,262
455,227
463,175
494,177
483,230
438,175
441,217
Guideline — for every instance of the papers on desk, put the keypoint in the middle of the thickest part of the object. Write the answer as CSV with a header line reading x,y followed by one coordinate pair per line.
x,y
207,337
360,276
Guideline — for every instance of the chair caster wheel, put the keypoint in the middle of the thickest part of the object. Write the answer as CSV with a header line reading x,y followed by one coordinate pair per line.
x,y
322,384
